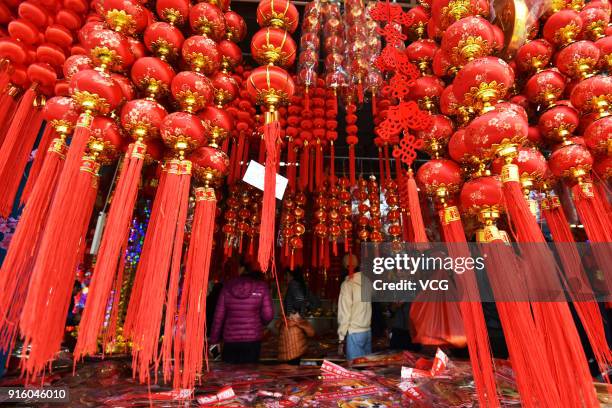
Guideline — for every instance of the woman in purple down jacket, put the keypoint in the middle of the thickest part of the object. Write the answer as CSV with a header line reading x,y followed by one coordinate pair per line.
x,y
243,310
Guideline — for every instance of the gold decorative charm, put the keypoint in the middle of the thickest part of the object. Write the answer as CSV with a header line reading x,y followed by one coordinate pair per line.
x,y
471,48
567,34
173,16
602,104
120,21
90,103
484,95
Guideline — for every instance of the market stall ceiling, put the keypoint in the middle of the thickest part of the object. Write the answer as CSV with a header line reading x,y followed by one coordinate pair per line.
x,y
365,148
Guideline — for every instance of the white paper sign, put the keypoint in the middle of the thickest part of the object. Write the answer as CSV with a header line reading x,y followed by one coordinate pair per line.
x,y
255,176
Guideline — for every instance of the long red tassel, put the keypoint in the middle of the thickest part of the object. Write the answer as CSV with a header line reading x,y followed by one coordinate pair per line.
x,y
319,165
332,161
414,208
139,278
193,300
554,319
18,143
352,178
387,164
304,163
8,104
381,165
291,165
585,304
471,310
268,210
17,265
41,153
46,306
115,232
173,286
526,347
153,269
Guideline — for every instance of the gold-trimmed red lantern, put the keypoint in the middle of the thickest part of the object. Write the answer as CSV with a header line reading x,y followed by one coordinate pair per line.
x,y
273,46
201,54
278,13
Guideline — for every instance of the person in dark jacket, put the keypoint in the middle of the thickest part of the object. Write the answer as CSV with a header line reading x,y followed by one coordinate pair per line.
x,y
243,310
296,296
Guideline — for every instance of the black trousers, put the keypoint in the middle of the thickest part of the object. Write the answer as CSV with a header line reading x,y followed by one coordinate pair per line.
x,y
246,352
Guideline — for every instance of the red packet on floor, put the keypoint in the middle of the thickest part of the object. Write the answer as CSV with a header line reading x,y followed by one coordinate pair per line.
x,y
225,394
440,363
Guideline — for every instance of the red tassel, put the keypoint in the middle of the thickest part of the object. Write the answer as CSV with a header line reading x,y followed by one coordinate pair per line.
x,y
109,255
585,304
17,265
41,153
192,315
262,151
173,286
352,178
304,163
471,311
387,164
414,208
268,210
360,92
526,347
18,144
381,165
374,107
319,165
139,278
306,99
332,161
554,319
145,316
110,334
8,104
46,306
235,174
311,170
291,165
245,160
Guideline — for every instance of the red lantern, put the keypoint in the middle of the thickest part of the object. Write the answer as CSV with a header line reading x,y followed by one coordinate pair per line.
x,y
153,76
273,46
483,194
163,40
201,54
183,131
235,26
421,53
426,90
482,82
544,87
231,55
468,39
558,122
598,136
593,95
278,13
141,118
219,122
209,164
192,90
207,20
571,161
563,27
440,177
175,12
578,60
436,137
125,16
95,92
531,165
109,50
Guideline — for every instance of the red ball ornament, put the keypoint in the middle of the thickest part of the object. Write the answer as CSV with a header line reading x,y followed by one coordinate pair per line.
x,y
109,50
209,164
598,136
231,55
482,82
235,26
175,12
125,16
192,90
61,113
534,55
219,122
278,13
201,54
226,88
105,138
440,177
183,131
482,194
163,40
563,27
207,20
273,46
152,75
544,87
95,92
270,86
468,39
593,95
558,122
578,60
570,161
436,137
141,118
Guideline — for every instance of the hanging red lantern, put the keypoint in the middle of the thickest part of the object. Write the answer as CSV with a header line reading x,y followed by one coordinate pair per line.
x,y
578,60
593,95
192,90
207,20
468,39
558,123
440,177
125,16
175,12
235,27
598,136
201,54
545,87
278,13
273,46
534,55
563,27
163,40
